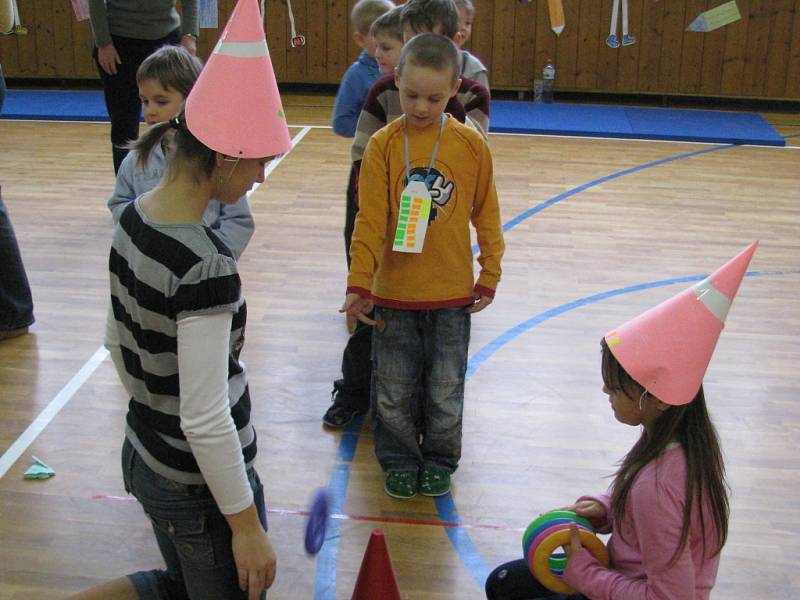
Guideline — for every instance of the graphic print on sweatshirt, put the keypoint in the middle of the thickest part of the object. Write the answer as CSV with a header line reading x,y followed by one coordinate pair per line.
x,y
440,188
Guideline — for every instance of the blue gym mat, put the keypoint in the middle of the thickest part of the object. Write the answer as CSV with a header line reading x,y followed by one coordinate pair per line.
x,y
718,127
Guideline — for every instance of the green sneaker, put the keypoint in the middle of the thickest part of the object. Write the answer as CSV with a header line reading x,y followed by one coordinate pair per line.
x,y
401,484
434,481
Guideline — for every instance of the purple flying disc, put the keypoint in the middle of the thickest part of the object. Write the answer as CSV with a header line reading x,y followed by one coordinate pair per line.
x,y
317,521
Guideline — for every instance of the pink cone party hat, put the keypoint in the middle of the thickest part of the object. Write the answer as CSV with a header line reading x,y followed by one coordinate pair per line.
x,y
234,107
667,348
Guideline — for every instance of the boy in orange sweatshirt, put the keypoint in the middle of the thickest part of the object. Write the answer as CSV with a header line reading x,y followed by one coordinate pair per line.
x,y
424,178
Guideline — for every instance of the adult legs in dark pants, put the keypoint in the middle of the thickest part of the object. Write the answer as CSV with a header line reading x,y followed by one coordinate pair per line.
x,y
16,304
121,92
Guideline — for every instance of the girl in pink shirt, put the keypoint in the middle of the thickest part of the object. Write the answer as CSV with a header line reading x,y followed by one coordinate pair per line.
x,y
667,508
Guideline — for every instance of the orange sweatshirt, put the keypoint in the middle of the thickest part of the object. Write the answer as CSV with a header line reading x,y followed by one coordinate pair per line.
x,y
463,191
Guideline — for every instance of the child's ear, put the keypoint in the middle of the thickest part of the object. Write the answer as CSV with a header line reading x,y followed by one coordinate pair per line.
x,y
219,159
456,85
359,38
458,38
396,77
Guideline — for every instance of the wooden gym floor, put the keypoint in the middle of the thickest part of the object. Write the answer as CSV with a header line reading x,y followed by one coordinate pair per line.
x,y
598,230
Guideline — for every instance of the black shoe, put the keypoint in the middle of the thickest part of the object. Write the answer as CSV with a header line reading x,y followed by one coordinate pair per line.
x,y
339,415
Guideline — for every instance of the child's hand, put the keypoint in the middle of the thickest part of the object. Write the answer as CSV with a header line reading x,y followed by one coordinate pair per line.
x,y
589,509
358,307
480,303
574,540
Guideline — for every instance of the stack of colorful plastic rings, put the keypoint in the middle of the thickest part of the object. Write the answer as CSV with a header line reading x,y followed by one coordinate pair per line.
x,y
549,532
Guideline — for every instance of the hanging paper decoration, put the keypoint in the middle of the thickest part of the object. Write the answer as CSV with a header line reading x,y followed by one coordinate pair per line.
x,y
557,21
297,40
9,18
208,14
613,40
712,19
81,9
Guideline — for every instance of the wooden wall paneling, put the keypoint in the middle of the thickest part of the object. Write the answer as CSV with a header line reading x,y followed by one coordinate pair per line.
x,y
713,58
483,34
628,67
757,56
692,50
43,23
545,41
671,44
317,40
297,58
277,36
338,18
793,67
735,47
780,41
26,44
651,30
9,55
81,49
589,38
567,46
63,17
524,45
503,46
607,58
352,49
755,63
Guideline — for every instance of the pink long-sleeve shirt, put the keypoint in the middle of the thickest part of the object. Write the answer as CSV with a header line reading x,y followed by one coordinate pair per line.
x,y
642,545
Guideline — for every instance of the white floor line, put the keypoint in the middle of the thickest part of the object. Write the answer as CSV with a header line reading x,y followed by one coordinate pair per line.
x,y
492,133
24,441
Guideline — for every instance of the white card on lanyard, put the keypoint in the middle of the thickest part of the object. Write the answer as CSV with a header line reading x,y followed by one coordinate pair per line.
x,y
412,219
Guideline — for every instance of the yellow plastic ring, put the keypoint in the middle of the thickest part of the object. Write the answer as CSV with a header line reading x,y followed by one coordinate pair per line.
x,y
541,557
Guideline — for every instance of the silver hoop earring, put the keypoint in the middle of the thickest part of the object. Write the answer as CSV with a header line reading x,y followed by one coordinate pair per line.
x,y
641,401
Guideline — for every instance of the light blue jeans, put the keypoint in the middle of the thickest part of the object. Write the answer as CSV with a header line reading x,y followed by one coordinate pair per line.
x,y
413,350
192,534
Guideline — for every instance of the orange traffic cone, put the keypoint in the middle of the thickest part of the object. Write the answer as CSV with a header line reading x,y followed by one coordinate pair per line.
x,y
376,578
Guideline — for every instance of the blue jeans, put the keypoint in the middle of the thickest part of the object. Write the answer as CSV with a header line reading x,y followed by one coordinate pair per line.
x,y
192,534
413,349
16,304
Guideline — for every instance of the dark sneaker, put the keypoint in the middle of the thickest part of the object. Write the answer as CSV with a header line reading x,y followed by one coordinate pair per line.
x,y
434,481
401,484
339,415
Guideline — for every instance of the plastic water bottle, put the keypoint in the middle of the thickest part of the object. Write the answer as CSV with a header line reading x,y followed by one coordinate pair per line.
x,y
548,81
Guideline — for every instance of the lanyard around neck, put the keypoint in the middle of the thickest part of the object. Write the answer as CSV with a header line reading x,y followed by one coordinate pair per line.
x,y
435,147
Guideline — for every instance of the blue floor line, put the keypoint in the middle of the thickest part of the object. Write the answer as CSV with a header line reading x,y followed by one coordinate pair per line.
x,y
328,557
585,186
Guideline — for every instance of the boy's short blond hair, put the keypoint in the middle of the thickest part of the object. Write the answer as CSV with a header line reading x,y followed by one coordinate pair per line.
x,y
366,11
389,24
432,51
426,15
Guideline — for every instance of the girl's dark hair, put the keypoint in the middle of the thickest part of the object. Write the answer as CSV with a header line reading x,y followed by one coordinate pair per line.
x,y
433,51
171,66
186,148
689,425
425,15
